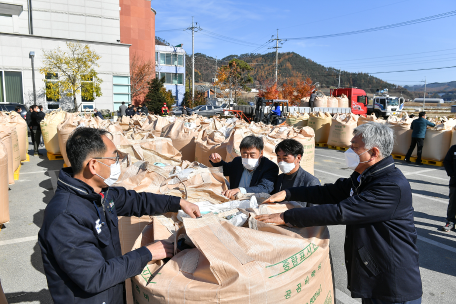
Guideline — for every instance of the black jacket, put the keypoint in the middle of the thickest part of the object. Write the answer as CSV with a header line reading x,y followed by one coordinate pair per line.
x,y
99,115
36,118
450,165
303,179
263,178
381,256
130,112
28,119
80,242
144,110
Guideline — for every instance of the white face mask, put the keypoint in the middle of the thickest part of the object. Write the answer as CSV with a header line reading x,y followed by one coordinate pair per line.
x,y
286,167
250,163
115,173
352,159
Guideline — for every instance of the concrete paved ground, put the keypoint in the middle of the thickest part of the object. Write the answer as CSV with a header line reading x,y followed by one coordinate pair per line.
x,y
21,269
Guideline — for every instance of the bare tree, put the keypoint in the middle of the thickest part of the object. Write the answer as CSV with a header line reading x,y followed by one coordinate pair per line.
x,y
141,72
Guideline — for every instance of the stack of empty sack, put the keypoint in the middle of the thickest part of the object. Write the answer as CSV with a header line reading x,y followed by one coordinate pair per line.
x,y
13,150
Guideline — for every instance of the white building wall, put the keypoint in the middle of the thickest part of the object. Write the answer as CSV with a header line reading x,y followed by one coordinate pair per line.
x,y
14,56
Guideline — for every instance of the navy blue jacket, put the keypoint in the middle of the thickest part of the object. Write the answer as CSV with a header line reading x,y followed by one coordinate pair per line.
x,y
263,178
450,165
419,127
303,179
99,115
130,112
80,242
381,256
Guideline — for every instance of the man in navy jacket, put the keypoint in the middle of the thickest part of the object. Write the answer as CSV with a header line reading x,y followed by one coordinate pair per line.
x,y
375,204
79,237
419,127
250,173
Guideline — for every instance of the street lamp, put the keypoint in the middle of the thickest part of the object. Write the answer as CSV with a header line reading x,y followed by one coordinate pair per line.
x,y
32,57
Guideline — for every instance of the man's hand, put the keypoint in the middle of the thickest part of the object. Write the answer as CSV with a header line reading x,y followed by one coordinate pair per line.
x,y
215,158
276,198
161,250
276,218
190,209
231,194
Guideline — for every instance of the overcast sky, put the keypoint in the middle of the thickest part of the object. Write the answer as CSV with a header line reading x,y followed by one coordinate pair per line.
x,y
252,23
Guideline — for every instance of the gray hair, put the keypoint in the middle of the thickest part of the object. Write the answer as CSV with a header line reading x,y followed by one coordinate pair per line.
x,y
376,135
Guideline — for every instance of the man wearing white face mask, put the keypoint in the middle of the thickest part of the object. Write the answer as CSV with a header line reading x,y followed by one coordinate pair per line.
x,y
79,237
289,153
375,204
250,173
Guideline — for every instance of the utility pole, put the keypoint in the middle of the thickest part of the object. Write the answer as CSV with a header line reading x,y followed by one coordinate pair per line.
x,y
215,78
277,47
32,57
194,29
424,99
339,79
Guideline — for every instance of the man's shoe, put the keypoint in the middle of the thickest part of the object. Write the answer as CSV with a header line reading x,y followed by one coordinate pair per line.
x,y
419,164
449,226
407,161
35,154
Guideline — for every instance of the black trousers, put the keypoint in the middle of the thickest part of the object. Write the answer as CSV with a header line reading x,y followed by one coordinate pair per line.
x,y
419,142
32,136
451,211
272,117
36,138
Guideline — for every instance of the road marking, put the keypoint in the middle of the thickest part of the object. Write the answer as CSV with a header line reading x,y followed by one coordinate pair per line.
x,y
345,298
19,240
329,173
329,156
33,172
443,246
430,198
418,172
445,179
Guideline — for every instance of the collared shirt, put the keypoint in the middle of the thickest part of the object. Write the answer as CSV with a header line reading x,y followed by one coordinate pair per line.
x,y
246,178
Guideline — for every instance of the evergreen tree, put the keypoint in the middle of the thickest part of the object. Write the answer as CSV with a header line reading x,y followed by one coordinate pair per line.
x,y
155,98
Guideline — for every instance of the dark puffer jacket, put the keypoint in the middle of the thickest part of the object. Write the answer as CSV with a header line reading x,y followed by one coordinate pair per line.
x,y
80,242
380,242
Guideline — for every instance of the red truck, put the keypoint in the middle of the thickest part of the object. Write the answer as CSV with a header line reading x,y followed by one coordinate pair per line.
x,y
357,97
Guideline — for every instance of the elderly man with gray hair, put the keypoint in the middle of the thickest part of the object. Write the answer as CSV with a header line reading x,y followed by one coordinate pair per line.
x,y
375,204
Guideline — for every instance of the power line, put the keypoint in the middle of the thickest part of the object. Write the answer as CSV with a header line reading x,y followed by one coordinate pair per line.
x,y
171,30
339,16
441,68
380,28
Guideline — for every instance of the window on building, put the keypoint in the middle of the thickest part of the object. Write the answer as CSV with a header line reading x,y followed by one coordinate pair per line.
x,y
121,90
173,78
51,85
170,59
87,88
11,87
156,56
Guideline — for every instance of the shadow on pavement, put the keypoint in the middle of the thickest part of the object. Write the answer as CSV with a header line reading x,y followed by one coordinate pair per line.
x,y
430,193
43,296
444,184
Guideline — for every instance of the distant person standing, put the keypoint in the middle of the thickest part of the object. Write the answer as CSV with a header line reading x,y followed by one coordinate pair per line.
x,y
450,167
129,112
28,120
135,111
123,109
312,98
37,117
143,110
184,110
165,110
419,133
18,109
97,113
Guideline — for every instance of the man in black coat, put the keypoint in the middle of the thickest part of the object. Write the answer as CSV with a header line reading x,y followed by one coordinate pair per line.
x,y
289,154
79,237
36,117
375,204
130,112
249,173
97,113
450,167
28,120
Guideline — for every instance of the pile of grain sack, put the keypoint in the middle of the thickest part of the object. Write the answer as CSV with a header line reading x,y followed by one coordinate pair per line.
x,y
13,150
170,155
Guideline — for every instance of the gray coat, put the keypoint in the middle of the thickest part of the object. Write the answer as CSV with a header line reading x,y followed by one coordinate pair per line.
x,y
122,109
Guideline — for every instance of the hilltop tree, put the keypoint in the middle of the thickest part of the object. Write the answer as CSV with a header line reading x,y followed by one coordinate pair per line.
x,y
158,95
292,90
234,76
73,72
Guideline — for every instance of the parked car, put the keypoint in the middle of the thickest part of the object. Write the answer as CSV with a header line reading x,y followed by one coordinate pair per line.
x,y
207,111
9,107
176,111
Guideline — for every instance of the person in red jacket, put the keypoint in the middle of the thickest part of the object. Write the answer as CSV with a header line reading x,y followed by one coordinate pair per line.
x,y
165,110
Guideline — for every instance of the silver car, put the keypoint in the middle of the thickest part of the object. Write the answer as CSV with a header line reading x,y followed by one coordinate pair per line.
x,y
208,111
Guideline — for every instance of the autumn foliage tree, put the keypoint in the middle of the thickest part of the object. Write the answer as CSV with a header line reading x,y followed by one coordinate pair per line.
x,y
73,72
141,73
234,76
292,90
